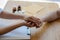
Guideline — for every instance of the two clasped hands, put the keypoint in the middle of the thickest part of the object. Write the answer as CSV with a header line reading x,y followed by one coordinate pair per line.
x,y
30,21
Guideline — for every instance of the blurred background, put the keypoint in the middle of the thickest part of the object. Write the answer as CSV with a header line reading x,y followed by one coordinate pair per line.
x,y
22,31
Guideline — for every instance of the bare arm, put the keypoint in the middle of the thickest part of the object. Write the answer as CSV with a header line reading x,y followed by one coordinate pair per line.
x,y
51,16
7,15
11,27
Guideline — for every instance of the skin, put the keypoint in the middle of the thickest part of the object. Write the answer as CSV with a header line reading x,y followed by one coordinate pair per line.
x,y
51,16
10,28
27,22
30,21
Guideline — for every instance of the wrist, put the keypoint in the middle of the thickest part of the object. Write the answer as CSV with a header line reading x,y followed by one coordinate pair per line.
x,y
25,17
23,24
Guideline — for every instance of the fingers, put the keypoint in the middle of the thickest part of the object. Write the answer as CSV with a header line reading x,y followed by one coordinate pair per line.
x,y
33,22
30,24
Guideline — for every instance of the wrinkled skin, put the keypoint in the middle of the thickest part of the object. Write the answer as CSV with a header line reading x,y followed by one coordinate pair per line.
x,y
33,22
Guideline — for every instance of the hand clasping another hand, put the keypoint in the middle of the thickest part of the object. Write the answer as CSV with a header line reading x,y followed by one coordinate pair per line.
x,y
33,22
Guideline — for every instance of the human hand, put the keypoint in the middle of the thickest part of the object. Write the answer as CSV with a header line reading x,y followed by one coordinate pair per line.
x,y
33,22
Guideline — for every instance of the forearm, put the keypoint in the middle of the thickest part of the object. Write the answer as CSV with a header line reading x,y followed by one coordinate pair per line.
x,y
10,28
7,15
50,17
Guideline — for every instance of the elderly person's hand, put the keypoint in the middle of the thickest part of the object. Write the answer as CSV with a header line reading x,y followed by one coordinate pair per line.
x,y
33,22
